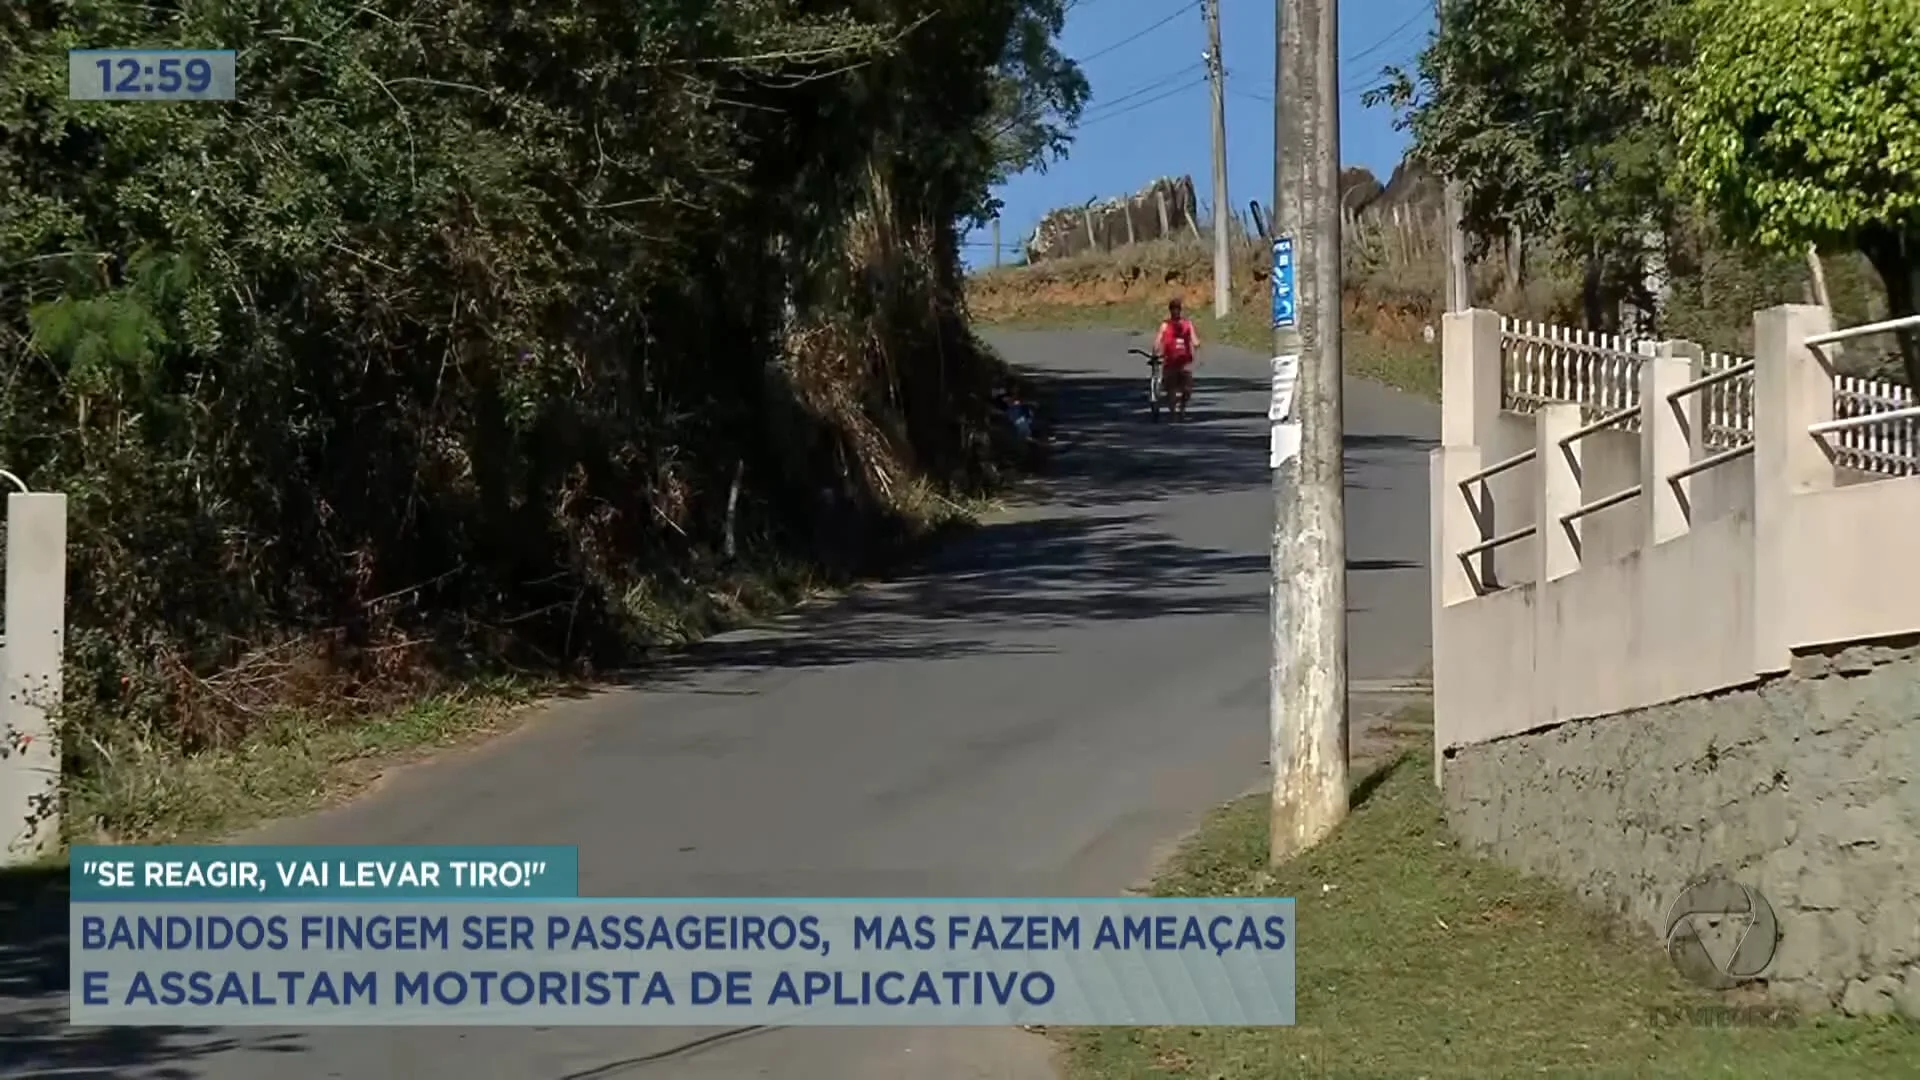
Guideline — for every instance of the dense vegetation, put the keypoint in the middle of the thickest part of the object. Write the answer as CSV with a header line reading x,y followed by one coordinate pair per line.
x,y
475,331
1799,124
1682,155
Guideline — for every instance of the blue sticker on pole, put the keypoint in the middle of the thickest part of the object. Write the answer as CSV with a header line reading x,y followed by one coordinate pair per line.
x,y
1282,277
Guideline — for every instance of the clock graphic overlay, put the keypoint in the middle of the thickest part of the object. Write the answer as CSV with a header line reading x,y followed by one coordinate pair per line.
x,y
150,74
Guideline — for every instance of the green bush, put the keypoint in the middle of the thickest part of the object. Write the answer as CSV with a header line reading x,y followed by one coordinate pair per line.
x,y
444,345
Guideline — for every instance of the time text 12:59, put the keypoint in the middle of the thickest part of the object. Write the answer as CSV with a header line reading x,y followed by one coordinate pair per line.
x,y
150,74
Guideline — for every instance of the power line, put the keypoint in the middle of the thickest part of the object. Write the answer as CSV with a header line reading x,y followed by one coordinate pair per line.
x,y
1357,83
1137,91
1117,113
1391,35
1137,35
1185,72
1346,90
1363,83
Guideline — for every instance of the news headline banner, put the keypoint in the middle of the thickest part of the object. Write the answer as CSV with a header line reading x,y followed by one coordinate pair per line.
x,y
253,874
684,963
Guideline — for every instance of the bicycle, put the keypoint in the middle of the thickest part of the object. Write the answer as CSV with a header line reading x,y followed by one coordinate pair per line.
x,y
1154,385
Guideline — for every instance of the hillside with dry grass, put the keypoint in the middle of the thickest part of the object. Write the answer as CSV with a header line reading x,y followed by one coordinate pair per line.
x,y
1393,279
1394,253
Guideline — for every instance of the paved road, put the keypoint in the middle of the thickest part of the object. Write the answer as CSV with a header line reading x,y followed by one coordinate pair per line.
x,y
1041,711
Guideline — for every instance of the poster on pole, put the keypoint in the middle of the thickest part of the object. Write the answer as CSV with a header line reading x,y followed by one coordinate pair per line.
x,y
1282,278
1286,372
1284,431
1283,443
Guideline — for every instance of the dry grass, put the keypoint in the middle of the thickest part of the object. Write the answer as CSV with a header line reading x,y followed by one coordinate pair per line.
x,y
1386,311
1393,286
1405,365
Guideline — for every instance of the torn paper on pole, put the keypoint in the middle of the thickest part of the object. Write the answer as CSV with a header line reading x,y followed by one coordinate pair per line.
x,y
1284,430
1286,372
1284,443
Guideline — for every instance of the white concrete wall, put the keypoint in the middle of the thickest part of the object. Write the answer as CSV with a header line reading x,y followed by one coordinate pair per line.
x,y
30,674
1609,462
1722,491
1511,497
1690,588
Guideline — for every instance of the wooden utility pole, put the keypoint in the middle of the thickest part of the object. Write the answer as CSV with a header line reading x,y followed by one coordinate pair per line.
x,y
1459,291
1307,700
1222,212
1818,274
1453,205
996,241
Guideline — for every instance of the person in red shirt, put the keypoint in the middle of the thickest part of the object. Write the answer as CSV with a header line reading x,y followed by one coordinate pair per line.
x,y
1178,345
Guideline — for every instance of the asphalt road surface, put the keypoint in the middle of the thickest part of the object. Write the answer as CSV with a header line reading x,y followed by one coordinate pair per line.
x,y
1041,711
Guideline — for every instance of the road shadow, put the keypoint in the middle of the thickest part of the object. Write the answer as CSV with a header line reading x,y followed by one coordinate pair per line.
x,y
1093,554
35,1037
1111,452
1364,566
998,590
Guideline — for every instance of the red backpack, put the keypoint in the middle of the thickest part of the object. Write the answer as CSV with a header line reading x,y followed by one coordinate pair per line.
x,y
1180,340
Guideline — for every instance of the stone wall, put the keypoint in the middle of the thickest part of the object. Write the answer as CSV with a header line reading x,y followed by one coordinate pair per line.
x,y
1802,787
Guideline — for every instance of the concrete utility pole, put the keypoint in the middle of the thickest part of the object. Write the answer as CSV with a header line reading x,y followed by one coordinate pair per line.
x,y
1222,215
1307,709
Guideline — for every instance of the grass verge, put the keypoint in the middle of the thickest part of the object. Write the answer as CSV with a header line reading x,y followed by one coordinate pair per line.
x,y
1412,367
1420,960
296,760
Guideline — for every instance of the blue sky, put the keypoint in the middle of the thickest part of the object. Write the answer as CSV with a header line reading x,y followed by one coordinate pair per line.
x,y
1147,116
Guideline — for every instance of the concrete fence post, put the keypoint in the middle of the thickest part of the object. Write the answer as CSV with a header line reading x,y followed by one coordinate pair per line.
x,y
1792,388
1557,468
1470,394
1469,410
1454,527
1470,385
30,674
1668,430
1455,523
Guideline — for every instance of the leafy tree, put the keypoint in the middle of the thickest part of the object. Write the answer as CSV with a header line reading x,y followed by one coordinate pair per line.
x,y
448,339
1544,110
1798,122
1038,94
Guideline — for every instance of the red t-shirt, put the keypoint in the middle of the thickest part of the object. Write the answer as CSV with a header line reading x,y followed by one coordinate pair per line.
x,y
1177,341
